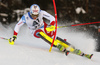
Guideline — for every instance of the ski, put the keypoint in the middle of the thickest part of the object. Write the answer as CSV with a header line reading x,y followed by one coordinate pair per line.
x,y
56,42
89,56
68,47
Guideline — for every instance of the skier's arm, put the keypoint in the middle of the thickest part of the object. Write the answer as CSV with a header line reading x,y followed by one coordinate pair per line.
x,y
49,17
16,30
18,25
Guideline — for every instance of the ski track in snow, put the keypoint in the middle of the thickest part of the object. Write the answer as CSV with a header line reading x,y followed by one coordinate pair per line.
x,y
32,51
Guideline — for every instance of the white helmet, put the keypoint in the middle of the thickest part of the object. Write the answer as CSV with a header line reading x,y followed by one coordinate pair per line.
x,y
34,9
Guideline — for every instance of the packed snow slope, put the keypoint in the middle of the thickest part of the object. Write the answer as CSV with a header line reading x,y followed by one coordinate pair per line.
x,y
29,50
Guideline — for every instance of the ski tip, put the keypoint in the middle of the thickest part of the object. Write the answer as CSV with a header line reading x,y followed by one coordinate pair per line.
x,y
91,56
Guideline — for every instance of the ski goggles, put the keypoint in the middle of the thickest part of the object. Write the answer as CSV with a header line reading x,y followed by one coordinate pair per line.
x,y
34,16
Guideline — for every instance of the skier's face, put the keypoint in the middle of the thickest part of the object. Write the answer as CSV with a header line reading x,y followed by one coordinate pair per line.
x,y
34,16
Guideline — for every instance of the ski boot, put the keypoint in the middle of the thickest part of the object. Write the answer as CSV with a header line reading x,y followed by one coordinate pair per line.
x,y
78,52
89,56
67,52
63,49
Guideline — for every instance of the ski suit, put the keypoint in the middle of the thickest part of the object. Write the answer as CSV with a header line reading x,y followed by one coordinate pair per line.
x,y
32,24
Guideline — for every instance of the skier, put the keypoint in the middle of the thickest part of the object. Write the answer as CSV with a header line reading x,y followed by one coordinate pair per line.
x,y
34,21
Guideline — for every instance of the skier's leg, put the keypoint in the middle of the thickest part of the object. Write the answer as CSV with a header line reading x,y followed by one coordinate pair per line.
x,y
62,46
79,52
46,38
56,42
76,51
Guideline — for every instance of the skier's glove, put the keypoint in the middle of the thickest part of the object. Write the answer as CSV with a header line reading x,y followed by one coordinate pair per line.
x,y
12,40
52,23
51,27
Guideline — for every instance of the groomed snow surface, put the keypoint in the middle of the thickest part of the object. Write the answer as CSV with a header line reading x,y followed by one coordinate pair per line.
x,y
29,50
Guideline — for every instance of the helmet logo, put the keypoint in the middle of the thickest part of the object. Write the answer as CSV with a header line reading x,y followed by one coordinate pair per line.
x,y
35,7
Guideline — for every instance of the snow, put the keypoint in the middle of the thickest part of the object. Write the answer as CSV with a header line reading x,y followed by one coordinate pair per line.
x,y
80,9
29,50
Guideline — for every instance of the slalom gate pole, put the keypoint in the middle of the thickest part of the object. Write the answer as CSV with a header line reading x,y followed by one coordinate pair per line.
x,y
79,24
3,38
55,25
85,23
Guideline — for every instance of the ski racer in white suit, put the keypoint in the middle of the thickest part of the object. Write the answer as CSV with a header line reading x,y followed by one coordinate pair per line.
x,y
34,21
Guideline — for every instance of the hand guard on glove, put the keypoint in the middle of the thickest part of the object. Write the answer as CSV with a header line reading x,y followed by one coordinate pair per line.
x,y
12,40
51,27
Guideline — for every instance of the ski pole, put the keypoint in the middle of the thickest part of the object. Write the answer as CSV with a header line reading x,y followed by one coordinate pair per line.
x,y
3,38
51,28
